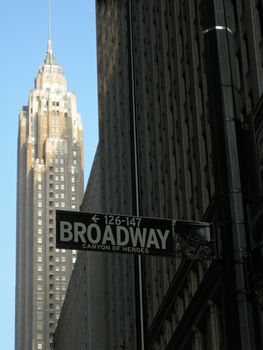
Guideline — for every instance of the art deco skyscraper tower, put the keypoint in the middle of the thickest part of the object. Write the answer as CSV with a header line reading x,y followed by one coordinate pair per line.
x,y
50,177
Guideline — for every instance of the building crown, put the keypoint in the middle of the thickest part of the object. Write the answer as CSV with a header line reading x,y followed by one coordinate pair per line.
x,y
50,57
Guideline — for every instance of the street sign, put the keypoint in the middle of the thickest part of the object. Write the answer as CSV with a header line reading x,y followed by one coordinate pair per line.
x,y
127,234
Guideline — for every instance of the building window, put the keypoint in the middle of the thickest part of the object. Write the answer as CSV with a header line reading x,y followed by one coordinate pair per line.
x,y
39,222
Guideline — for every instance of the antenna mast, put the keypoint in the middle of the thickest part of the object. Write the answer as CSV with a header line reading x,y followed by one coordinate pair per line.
x,y
49,20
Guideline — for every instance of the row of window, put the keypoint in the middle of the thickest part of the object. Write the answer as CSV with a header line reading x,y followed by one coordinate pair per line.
x,y
57,195
57,287
51,169
57,160
51,257
57,186
52,69
55,130
56,178
57,205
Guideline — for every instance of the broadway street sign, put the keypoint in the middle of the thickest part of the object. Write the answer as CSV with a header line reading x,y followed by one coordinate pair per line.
x,y
132,234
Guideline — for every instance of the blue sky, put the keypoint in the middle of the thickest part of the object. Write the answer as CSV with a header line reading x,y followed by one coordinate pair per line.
x,y
23,40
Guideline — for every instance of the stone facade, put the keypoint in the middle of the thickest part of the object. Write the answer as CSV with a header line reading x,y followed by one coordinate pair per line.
x,y
50,177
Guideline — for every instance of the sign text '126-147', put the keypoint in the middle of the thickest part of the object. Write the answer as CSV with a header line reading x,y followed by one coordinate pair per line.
x,y
114,233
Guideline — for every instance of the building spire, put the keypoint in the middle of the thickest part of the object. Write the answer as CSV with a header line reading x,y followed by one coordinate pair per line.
x,y
50,58
49,48
49,21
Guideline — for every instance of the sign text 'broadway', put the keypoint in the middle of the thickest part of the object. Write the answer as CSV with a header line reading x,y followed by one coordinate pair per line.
x,y
114,233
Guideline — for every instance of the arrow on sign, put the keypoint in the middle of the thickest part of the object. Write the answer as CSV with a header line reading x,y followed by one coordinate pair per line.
x,y
95,218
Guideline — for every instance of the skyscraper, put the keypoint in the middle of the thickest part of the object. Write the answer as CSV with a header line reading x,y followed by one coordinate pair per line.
x,y
49,177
